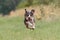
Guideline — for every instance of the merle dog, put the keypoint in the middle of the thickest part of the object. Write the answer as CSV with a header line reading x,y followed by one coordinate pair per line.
x,y
29,20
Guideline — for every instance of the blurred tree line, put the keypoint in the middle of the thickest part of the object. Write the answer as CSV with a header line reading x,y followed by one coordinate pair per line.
x,y
25,3
10,5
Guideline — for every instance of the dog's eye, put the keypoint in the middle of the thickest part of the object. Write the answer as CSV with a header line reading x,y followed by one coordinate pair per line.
x,y
27,15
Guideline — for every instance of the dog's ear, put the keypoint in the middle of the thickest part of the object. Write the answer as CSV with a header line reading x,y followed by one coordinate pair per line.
x,y
32,10
25,10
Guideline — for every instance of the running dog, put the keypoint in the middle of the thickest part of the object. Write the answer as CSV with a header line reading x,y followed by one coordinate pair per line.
x,y
29,19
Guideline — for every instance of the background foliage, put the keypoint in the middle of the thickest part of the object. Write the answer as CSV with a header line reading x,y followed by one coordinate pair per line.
x,y
8,5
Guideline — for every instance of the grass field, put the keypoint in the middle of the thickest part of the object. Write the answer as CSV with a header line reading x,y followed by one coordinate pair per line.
x,y
14,29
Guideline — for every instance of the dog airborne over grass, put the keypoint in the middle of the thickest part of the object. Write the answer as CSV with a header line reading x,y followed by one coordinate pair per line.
x,y
29,20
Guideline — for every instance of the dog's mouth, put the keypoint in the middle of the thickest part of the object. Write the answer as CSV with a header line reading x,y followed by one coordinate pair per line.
x,y
29,18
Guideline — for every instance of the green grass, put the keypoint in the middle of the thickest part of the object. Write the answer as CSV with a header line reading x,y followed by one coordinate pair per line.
x,y
14,29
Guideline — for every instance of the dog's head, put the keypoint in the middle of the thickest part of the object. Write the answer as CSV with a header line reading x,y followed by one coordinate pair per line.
x,y
29,13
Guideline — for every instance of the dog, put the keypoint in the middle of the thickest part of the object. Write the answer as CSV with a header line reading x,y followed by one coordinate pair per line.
x,y
29,19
